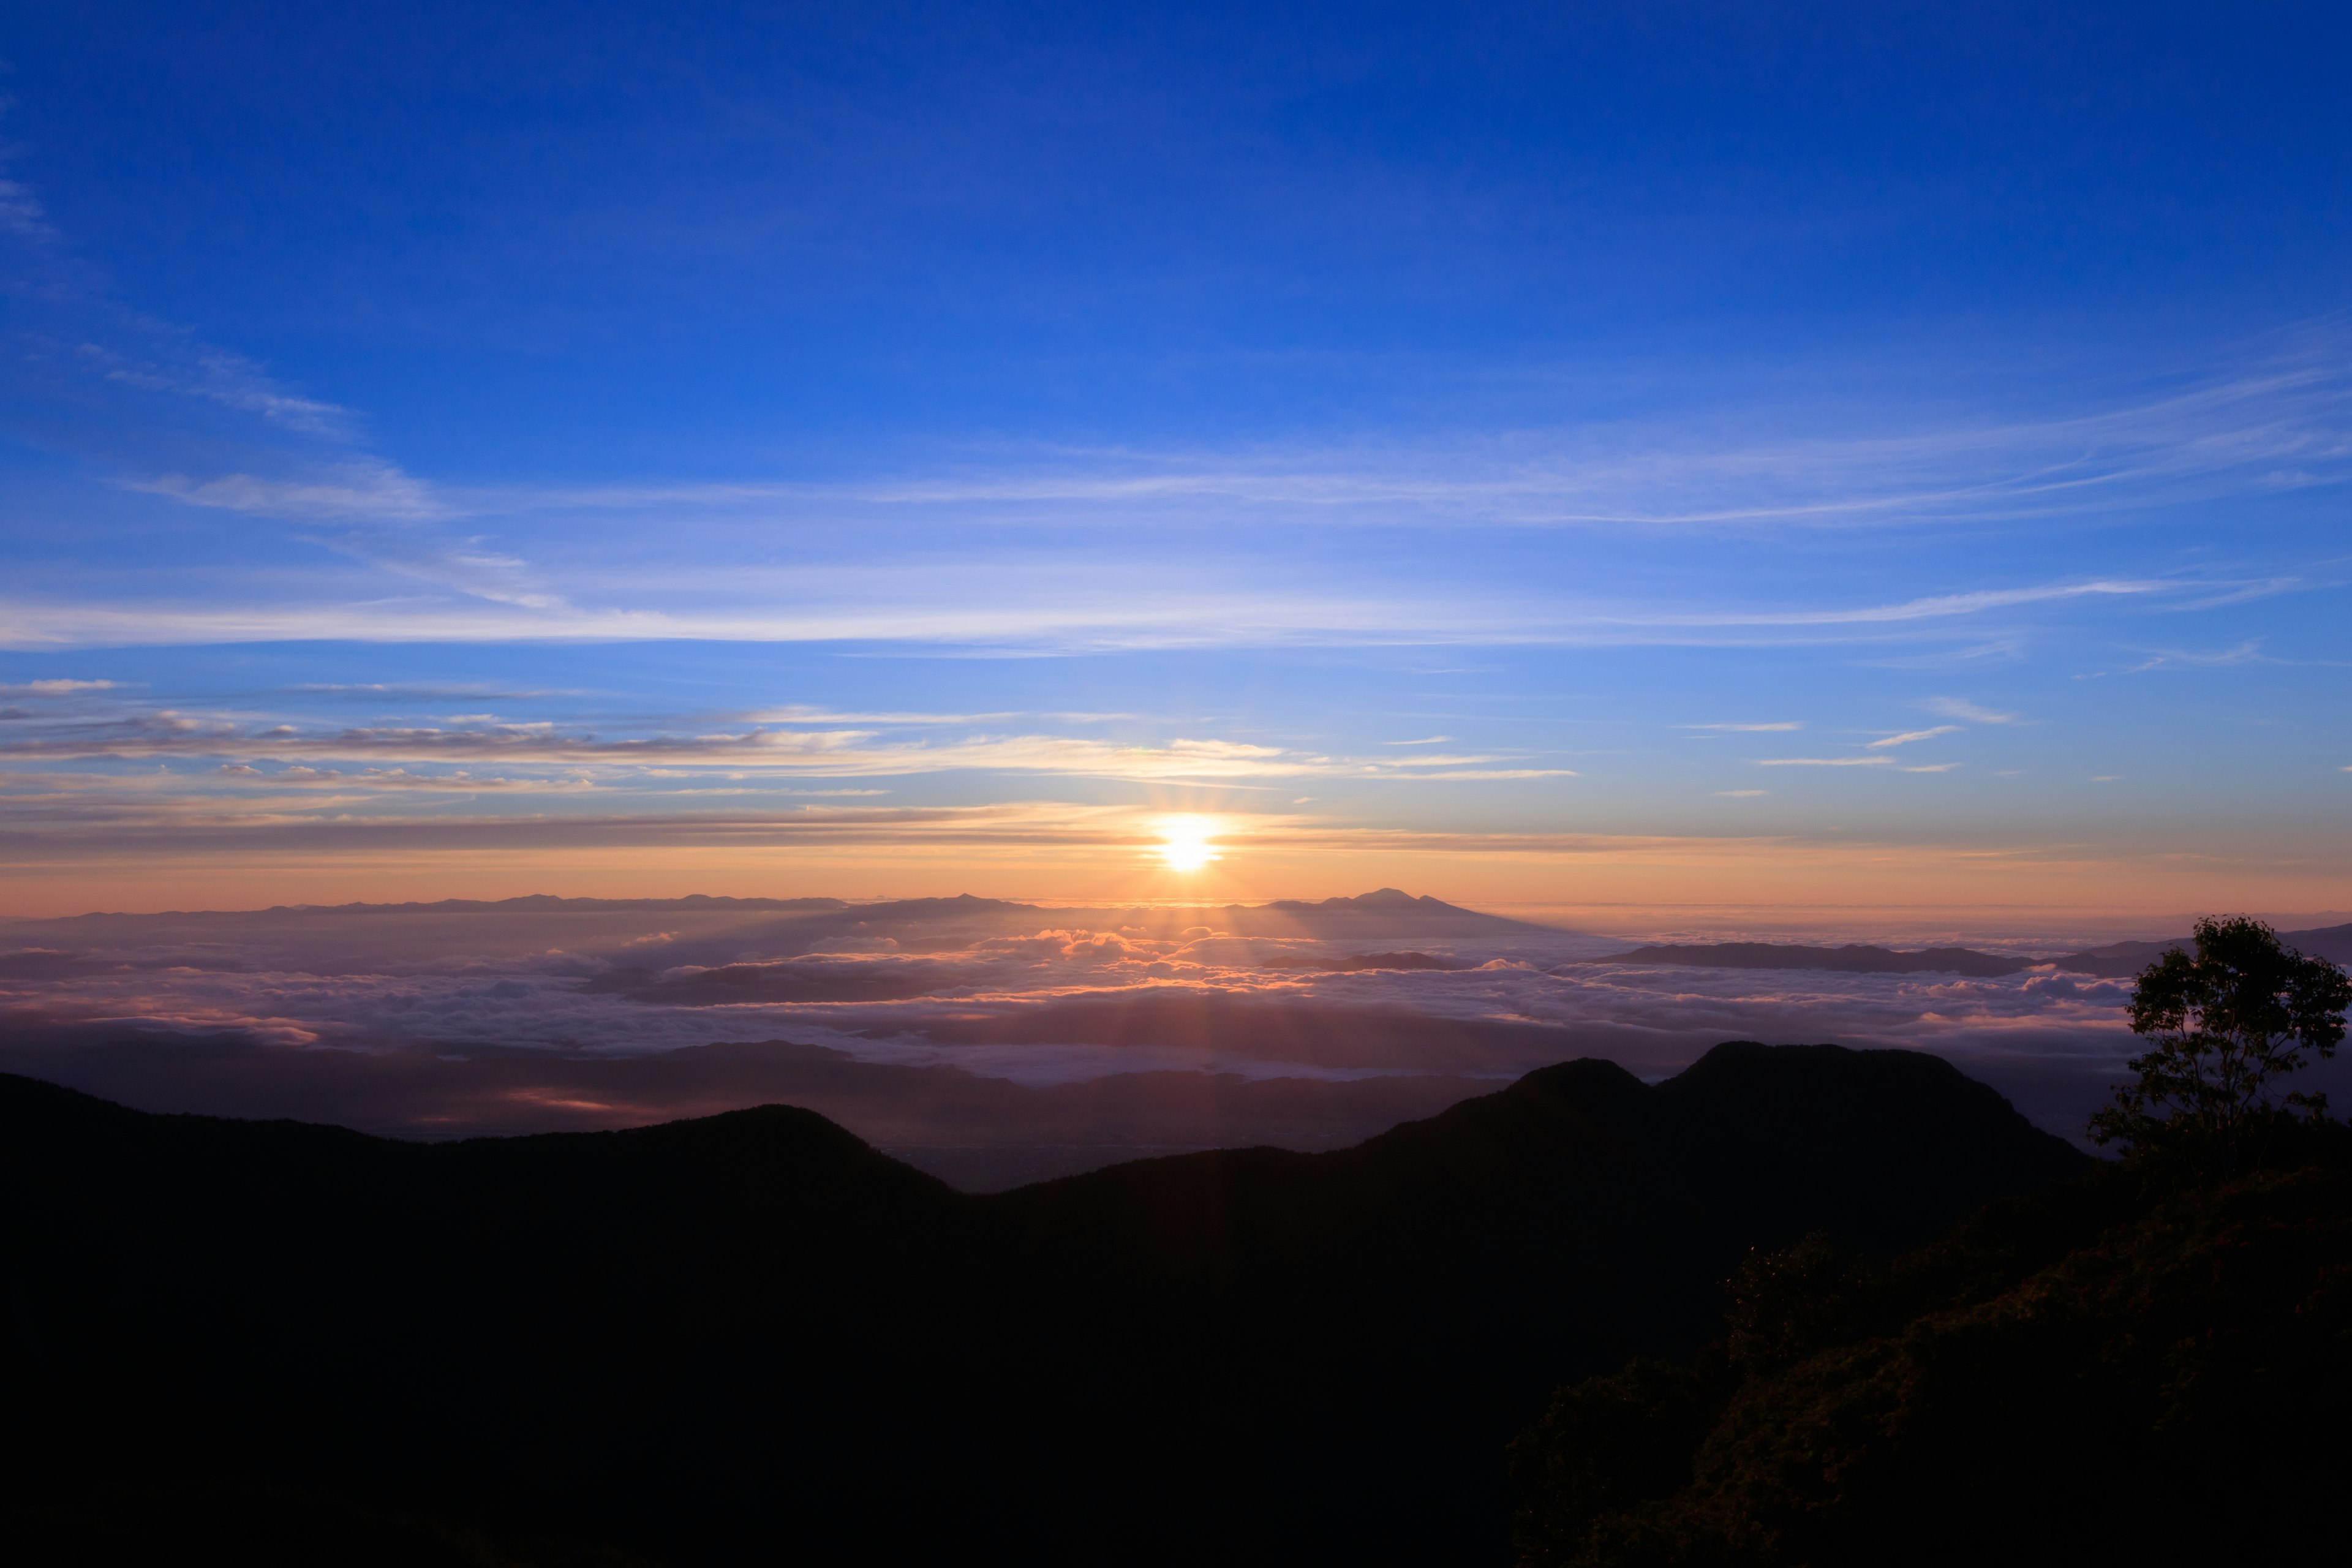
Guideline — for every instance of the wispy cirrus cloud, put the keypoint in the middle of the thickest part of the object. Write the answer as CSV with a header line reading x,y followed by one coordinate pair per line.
x,y
56,688
2281,417
805,714
21,213
2247,652
1962,709
1108,613
369,781
1910,736
148,735
186,368
162,412
352,490
2277,417
214,430
382,516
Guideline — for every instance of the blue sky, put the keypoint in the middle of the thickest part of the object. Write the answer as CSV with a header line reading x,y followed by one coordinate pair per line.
x,y
1851,454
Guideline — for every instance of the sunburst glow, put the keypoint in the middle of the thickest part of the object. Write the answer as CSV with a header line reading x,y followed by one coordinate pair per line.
x,y
1185,845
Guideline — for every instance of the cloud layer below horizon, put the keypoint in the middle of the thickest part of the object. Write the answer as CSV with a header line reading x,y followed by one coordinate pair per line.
x,y
1025,997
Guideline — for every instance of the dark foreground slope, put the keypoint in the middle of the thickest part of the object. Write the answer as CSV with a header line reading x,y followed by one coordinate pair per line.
x,y
752,1336
2131,1367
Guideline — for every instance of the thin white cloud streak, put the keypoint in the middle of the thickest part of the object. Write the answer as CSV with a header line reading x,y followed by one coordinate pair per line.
x,y
1823,761
1909,736
84,824
808,715
230,380
170,414
1112,616
21,213
849,754
2284,423
2244,653
358,490
388,517
56,688
391,780
1961,707
2280,420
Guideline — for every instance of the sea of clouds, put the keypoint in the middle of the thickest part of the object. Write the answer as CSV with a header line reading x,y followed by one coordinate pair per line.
x,y
1028,995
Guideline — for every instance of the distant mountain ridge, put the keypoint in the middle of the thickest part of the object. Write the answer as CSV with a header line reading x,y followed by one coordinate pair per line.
x,y
2117,960
2121,960
982,1133
753,1336
1383,900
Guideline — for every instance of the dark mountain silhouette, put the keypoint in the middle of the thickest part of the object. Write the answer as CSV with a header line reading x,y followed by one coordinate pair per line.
x,y
1358,962
935,908
1379,899
2123,960
980,1133
1852,959
752,1336
1384,914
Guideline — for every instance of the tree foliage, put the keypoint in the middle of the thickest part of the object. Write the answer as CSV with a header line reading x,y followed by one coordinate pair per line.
x,y
2223,1025
2125,1368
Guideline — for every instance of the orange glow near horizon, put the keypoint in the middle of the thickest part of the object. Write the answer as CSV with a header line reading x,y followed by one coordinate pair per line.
x,y
1082,855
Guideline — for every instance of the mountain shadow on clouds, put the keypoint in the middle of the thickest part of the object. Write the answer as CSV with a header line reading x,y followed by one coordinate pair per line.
x,y
754,1337
42,963
1854,958
1320,1034
1359,962
790,979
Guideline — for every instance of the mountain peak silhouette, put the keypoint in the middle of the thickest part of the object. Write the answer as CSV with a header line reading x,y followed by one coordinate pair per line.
x,y
753,1335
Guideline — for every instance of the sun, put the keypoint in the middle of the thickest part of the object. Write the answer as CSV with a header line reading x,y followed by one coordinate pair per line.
x,y
1184,843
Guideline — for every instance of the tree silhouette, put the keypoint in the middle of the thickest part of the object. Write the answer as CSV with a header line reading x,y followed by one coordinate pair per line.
x,y
2223,1024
